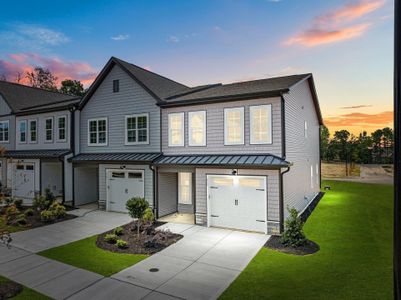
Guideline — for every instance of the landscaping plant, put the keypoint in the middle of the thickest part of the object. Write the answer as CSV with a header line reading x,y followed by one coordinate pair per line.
x,y
18,203
293,235
47,216
29,212
121,244
118,231
110,238
136,209
58,210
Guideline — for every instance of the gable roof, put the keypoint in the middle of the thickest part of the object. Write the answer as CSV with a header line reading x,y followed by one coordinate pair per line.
x,y
22,98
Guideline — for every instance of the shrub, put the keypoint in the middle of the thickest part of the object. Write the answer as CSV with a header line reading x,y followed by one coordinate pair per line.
x,y
293,235
58,210
136,208
11,212
118,231
18,203
110,238
40,203
148,216
47,216
21,219
8,201
49,196
121,244
29,212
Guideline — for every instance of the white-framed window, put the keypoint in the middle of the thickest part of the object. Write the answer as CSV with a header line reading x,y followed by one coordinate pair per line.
x,y
49,129
33,131
137,129
4,131
62,128
97,132
260,124
234,126
197,128
185,188
176,129
22,128
306,129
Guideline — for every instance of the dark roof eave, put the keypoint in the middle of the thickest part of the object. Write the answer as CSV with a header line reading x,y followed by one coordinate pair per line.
x,y
242,166
130,162
43,110
248,96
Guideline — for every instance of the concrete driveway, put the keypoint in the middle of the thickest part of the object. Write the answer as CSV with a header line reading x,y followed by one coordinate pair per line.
x,y
46,237
200,266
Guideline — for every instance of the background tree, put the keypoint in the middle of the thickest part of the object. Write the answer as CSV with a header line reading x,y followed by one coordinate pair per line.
x,y
324,142
72,87
42,78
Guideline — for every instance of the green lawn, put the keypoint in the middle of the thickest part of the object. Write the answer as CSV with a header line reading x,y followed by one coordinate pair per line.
x,y
26,293
353,226
86,255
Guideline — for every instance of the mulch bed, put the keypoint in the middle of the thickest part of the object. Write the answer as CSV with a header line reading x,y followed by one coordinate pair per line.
x,y
135,242
274,243
9,289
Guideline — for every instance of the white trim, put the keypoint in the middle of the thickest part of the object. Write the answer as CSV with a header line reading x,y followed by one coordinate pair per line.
x,y
8,131
97,132
52,129
36,131
190,114
226,111
19,131
182,130
270,130
147,129
65,129
190,188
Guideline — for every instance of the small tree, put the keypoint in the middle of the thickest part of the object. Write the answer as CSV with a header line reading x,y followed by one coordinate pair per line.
x,y
293,234
136,209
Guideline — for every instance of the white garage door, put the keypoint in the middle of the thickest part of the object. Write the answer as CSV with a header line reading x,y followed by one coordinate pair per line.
x,y
238,202
23,183
123,185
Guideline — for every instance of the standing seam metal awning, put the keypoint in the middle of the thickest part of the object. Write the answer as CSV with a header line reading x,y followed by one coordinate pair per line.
x,y
250,160
57,153
114,157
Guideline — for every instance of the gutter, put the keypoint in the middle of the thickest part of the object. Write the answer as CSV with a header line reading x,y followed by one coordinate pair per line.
x,y
61,159
281,206
155,191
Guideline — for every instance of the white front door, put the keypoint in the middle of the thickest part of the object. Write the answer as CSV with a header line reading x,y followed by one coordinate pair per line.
x,y
238,202
123,185
24,181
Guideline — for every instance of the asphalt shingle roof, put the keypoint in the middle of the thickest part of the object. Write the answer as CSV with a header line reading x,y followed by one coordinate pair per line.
x,y
22,98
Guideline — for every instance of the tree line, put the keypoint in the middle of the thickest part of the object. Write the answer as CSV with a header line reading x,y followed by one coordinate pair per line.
x,y
43,78
343,146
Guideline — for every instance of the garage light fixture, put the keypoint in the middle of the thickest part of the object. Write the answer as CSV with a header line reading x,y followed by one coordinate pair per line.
x,y
122,167
234,172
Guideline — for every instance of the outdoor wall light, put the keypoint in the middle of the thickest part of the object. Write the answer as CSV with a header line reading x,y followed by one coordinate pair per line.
x,y
234,172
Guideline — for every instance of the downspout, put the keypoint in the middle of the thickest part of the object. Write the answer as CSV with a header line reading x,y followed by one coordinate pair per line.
x,y
155,191
281,216
72,149
283,144
61,158
284,155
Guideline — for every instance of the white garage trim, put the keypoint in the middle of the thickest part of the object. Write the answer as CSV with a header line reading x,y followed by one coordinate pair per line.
x,y
236,178
125,171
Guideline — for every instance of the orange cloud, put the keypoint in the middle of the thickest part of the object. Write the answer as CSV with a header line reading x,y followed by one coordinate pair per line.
x,y
335,26
25,62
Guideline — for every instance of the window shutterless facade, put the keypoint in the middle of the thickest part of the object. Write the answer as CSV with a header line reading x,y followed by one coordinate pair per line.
x,y
234,126
137,129
4,131
62,129
197,128
22,125
33,131
260,117
176,129
116,86
97,132
49,129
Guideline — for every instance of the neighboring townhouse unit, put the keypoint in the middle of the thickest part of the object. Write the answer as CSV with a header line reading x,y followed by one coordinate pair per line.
x,y
36,134
233,155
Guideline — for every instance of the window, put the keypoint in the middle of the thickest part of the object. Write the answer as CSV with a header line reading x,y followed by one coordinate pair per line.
x,y
197,128
4,127
306,129
22,131
49,129
185,188
97,132
260,124
234,126
62,128
135,175
33,131
20,167
136,129
116,86
29,167
176,129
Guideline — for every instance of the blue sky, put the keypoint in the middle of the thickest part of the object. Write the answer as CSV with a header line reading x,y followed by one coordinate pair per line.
x,y
347,45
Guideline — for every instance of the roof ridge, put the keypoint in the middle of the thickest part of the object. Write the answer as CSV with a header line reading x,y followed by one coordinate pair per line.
x,y
32,87
268,78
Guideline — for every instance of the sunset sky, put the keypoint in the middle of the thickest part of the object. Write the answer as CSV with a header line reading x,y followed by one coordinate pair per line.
x,y
347,45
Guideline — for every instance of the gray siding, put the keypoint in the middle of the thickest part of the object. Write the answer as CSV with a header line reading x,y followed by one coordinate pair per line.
x,y
302,152
103,184
85,184
10,145
273,194
167,193
215,129
41,142
131,99
51,177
